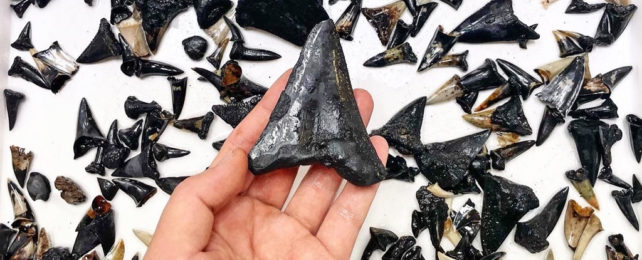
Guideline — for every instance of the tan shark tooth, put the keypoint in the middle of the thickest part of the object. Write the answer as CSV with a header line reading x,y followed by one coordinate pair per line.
x,y
450,233
132,31
582,184
482,119
117,252
143,236
442,256
507,138
448,91
548,71
219,30
440,192
44,243
549,255
575,221
593,227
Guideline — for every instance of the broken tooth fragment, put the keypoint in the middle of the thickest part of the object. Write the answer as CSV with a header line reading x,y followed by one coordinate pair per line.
x,y
579,179
593,226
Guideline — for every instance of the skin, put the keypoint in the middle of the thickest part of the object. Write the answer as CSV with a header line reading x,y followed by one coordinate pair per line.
x,y
228,213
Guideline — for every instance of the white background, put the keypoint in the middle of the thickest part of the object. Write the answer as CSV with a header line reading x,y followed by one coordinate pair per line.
x,y
46,122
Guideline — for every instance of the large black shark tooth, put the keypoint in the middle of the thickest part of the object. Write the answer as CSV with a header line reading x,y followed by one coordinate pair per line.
x,y
21,7
139,166
163,152
635,128
168,184
348,20
114,153
466,220
421,16
495,22
550,120
582,7
179,90
505,202
400,35
484,77
572,43
502,155
397,168
12,100
138,191
464,250
23,43
199,125
380,239
434,212
608,136
446,163
623,200
130,136
606,175
208,12
29,73
637,190
97,227
240,52
526,82
107,188
613,23
439,46
532,234
133,65
157,15
291,20
562,92
608,109
453,3
467,100
38,187
134,107
232,85
96,166
403,130
234,113
155,124
399,54
103,46
587,140
508,117
195,47
21,208
602,85
384,19
320,79
399,247
119,11
87,133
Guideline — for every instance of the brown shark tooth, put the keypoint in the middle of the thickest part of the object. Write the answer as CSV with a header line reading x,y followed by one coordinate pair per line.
x,y
348,20
593,226
438,47
69,190
21,208
575,221
503,92
572,43
23,43
448,91
614,21
454,60
132,32
508,117
579,179
199,125
21,161
450,233
502,155
399,54
384,18
233,86
623,200
439,191
617,241
507,138
88,135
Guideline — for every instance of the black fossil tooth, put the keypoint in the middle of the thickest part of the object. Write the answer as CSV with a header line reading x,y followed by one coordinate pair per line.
x,y
107,188
446,92
550,120
397,168
179,90
21,208
403,130
399,54
12,100
234,113
217,56
88,135
114,153
163,152
526,82
434,212
96,227
532,234
503,92
502,155
384,19
29,73
348,20
421,16
232,86
157,15
454,60
53,78
199,125
119,11
617,241
606,174
399,247
564,89
133,65
464,250
637,190
400,35
601,86
134,107
6,237
523,43
291,20
466,220
208,12
581,7
21,7
438,47
608,109
587,140
572,43
379,240
155,124
129,136
58,59
467,100
508,117
623,200
240,52
70,192
23,43
635,128
38,187
138,191
337,135
103,46
413,254
613,23
168,184
218,144
495,22
195,47
139,166
411,5
237,36
608,136
484,77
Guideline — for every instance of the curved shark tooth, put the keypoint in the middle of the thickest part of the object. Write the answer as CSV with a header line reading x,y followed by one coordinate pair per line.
x,y
623,200
635,128
217,56
564,89
58,59
523,43
163,152
38,187
608,136
550,70
465,250
131,30
102,46
240,52
114,153
155,124
234,113
508,117
208,12
134,107
157,16
399,247
44,243
138,191
495,22
88,135
12,100
448,91
421,16
21,208
580,180
133,65
582,7
218,144
400,35
550,120
96,166
601,86
168,184
453,3
613,23
384,18
380,239
572,43
532,234
466,220
606,175
587,140
119,11
129,136
438,47
237,36
454,60
291,20
199,125
143,236
525,81
29,73
70,192
484,77
467,100
107,188
195,47
21,7
400,54
23,43
504,203
502,155
617,241
575,220
96,227
348,20
21,162
139,166
413,253
284,141
403,130
503,92
117,252
179,90
593,227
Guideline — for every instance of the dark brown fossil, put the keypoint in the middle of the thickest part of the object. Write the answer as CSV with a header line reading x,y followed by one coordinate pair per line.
x,y
525,81
195,47
509,117
130,136
613,23
88,135
134,107
241,52
399,247
606,175
97,227
69,190
168,184
23,43
155,124
587,140
454,60
22,69
635,130
107,188
399,54
438,47
179,90
502,155
619,250
384,19
562,92
572,43
550,120
403,130
139,166
623,200
114,152
421,16
138,191
208,12
12,100
102,46
38,187
234,113
400,35
532,234
348,20
163,152
157,15
582,7
380,239
199,125
21,208
21,7
608,109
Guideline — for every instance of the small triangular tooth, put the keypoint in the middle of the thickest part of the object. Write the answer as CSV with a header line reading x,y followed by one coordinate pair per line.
x,y
12,100
549,121
420,18
459,60
526,82
438,47
21,208
88,135
218,144
399,54
157,17
623,200
163,152
217,56
348,20
168,184
572,43
614,21
29,73
140,166
130,136
114,152
234,113
403,130
20,7
138,191
209,12
564,89
107,188
384,19
143,236
502,155
179,91
532,234
580,180
448,91
102,46
582,7
23,43
199,125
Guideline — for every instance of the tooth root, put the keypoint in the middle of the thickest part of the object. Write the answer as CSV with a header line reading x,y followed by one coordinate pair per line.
x,y
575,221
498,95
43,243
593,227
448,91
132,32
21,162
21,208
454,60
442,256
439,46
507,138
549,255
117,252
450,233
143,236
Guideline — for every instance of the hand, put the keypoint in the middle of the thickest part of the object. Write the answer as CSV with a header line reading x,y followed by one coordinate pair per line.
x,y
228,213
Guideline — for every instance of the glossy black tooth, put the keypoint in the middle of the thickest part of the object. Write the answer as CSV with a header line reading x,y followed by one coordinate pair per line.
x,y
102,46
23,43
572,43
107,188
586,136
397,168
379,240
20,7
608,136
179,90
420,18
119,12
635,128
96,227
237,36
156,68
218,144
58,59
400,35
411,5
446,163
623,200
168,184
510,117
434,212
612,78
467,186
564,89
96,166
438,47
29,73
332,98
155,124
403,130
505,202
466,220
613,23
384,19
199,125
208,12
581,7
399,54
504,26
606,175
114,153
6,237
195,47
413,254
88,135
617,241
550,120
129,136
21,208
42,3
163,152
38,187
12,100
399,247
467,100
130,62
502,155
291,20
217,56
479,166
134,107
240,52
453,3
348,20
523,43
484,77
637,190
138,191
532,234
454,60
234,113
24,243
464,250
157,16
526,82
139,166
